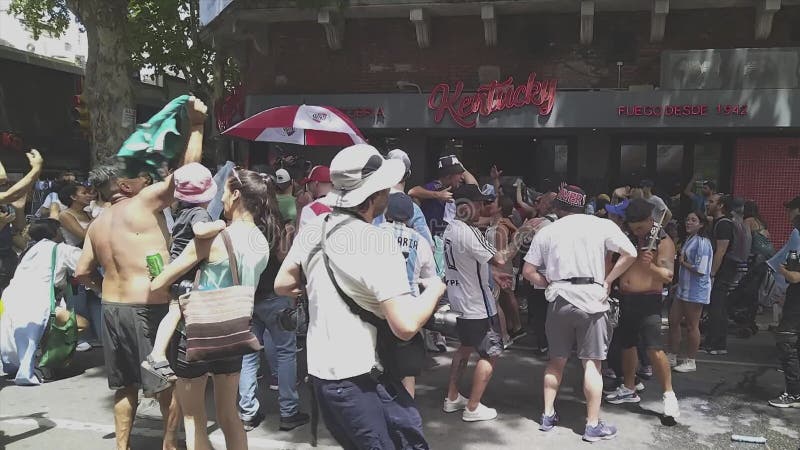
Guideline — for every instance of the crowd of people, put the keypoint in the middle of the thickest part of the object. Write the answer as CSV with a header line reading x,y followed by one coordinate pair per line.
x,y
372,265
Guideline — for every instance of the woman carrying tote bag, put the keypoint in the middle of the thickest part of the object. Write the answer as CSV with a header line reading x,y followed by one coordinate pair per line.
x,y
251,232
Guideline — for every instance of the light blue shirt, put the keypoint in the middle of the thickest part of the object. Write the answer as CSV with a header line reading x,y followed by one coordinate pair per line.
x,y
780,258
417,222
695,285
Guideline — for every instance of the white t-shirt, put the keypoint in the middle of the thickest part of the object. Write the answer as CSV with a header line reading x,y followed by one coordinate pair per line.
x,y
546,220
467,255
449,212
417,252
312,210
370,268
576,246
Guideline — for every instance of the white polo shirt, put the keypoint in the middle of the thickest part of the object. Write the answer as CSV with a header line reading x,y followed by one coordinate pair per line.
x,y
576,246
467,255
370,268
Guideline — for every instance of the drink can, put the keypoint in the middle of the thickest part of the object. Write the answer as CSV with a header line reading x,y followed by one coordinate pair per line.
x,y
155,264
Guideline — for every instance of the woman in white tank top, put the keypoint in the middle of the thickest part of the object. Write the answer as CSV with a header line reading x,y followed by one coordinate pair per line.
x,y
74,220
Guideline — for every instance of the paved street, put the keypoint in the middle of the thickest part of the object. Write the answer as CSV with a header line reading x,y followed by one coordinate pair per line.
x,y
727,395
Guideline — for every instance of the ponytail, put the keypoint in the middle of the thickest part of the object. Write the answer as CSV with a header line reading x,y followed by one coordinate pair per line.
x,y
258,197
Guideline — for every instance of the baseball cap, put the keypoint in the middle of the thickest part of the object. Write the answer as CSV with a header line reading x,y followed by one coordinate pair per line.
x,y
449,165
400,208
619,208
471,193
571,197
489,191
194,184
793,203
282,176
359,171
402,156
320,174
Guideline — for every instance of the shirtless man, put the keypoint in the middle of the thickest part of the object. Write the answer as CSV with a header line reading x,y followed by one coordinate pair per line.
x,y
641,288
118,241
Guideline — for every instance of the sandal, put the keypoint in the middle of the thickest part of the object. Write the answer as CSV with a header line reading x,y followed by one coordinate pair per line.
x,y
159,369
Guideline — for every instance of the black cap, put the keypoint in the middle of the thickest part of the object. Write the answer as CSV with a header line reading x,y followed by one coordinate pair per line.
x,y
470,192
400,208
793,203
449,165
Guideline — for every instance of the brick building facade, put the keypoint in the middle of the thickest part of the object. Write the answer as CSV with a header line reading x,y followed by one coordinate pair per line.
x,y
379,52
723,81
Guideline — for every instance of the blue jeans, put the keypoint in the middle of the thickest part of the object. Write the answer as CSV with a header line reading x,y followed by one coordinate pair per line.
x,y
280,348
87,304
361,413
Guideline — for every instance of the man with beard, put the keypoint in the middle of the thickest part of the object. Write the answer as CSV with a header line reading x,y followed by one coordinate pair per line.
x,y
119,241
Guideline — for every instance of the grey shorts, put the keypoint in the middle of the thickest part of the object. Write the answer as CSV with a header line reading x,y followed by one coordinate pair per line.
x,y
567,325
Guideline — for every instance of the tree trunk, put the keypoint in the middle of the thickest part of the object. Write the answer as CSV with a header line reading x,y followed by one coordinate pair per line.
x,y
108,87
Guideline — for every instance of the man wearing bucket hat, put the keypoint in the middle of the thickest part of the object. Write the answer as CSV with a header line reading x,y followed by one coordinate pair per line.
x,y
356,284
574,252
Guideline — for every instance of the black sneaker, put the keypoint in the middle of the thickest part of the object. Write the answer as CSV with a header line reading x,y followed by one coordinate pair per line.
x,y
292,422
786,400
252,424
610,385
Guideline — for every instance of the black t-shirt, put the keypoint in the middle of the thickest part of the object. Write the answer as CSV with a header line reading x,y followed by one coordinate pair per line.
x,y
182,230
723,231
266,283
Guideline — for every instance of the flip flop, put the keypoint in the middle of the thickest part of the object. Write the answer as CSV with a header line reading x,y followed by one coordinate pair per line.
x,y
159,369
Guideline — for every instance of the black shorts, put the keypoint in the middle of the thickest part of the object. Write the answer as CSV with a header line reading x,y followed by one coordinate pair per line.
x,y
196,369
640,318
478,333
129,331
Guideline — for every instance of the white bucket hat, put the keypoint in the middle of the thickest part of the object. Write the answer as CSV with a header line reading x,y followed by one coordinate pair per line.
x,y
359,171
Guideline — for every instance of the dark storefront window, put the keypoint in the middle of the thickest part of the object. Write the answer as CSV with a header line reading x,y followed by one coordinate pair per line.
x,y
707,157
632,161
552,163
669,169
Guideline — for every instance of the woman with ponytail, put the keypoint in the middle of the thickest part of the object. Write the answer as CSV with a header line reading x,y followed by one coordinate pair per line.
x,y
253,230
280,345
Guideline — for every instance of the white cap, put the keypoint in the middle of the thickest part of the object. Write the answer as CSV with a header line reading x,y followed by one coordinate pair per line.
x,y
282,176
402,156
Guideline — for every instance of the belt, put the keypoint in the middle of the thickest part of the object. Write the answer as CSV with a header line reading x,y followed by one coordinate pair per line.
x,y
579,281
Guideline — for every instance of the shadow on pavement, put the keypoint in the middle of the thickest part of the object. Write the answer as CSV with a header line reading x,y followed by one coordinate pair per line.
x,y
43,424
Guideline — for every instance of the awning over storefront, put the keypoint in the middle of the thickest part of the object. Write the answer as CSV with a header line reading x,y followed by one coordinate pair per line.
x,y
449,109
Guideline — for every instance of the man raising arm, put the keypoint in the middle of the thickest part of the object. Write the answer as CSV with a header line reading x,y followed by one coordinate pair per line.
x,y
119,241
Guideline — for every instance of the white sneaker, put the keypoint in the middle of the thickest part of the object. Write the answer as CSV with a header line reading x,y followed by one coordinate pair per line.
x,y
480,413
687,366
455,405
671,405
83,347
673,359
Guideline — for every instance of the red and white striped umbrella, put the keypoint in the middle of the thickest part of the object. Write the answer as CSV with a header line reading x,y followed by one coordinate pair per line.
x,y
303,125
